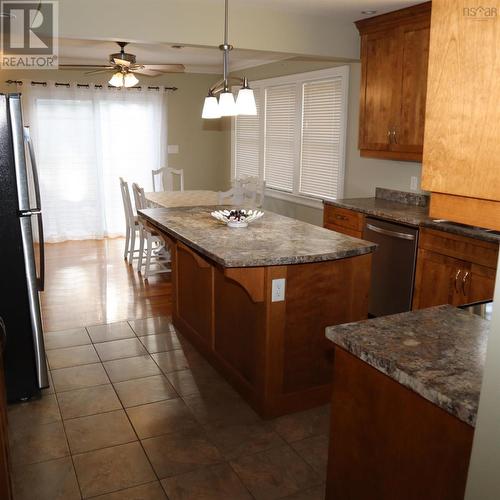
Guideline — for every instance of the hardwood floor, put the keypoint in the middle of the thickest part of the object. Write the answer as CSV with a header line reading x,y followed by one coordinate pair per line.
x,y
88,282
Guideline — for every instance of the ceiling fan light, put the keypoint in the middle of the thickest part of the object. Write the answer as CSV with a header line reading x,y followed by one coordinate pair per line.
x,y
210,108
227,105
117,80
130,80
245,102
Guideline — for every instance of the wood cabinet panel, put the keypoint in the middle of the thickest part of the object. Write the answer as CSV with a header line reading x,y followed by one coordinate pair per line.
x,y
379,89
453,269
310,308
472,250
415,56
239,323
462,149
389,443
437,280
343,230
194,288
394,58
343,217
480,285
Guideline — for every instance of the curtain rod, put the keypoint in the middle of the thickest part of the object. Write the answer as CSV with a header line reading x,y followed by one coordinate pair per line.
x,y
88,85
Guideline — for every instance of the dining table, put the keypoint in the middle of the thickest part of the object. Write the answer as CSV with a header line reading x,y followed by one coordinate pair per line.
x,y
190,198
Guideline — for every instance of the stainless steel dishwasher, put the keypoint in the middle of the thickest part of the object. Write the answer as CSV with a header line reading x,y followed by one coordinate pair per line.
x,y
393,269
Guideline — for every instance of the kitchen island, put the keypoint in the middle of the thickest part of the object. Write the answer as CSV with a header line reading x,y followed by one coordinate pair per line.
x,y
405,399
270,346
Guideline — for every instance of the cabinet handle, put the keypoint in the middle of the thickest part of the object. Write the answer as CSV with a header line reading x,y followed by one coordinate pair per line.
x,y
456,280
341,217
464,281
394,135
389,135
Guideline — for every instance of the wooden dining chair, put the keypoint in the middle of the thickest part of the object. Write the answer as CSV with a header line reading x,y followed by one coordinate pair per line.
x,y
131,223
166,178
151,246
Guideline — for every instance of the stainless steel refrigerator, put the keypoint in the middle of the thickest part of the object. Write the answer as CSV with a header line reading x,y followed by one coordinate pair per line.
x,y
21,260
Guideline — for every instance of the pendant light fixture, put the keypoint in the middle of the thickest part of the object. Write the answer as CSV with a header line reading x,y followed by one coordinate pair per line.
x,y
225,105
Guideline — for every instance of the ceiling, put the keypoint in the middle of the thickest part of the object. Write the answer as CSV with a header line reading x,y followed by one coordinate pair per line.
x,y
196,59
209,60
342,10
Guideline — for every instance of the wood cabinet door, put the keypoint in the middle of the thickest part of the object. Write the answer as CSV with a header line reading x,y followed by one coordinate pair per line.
x,y
380,82
438,280
479,285
414,53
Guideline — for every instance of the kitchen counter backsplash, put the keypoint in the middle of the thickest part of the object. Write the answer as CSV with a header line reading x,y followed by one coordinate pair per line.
x,y
415,199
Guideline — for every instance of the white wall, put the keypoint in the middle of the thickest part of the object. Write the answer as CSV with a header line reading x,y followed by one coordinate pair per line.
x,y
200,22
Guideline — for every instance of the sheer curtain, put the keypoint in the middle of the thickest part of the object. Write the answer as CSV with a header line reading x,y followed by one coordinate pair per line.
x,y
85,139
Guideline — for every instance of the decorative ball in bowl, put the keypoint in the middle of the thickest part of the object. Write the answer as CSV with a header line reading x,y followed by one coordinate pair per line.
x,y
237,217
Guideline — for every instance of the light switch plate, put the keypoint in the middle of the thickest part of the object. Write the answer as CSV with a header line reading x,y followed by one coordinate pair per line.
x,y
278,291
414,183
173,149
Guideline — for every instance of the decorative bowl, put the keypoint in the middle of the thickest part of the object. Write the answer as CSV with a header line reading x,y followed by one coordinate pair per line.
x,y
237,217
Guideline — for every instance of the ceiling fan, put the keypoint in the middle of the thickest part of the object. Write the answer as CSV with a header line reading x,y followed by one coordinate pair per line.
x,y
125,68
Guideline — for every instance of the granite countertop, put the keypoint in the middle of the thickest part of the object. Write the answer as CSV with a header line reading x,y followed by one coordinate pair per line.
x,y
410,209
271,241
438,352
385,209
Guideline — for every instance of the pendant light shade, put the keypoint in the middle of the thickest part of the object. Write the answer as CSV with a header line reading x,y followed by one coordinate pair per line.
x,y
117,79
130,80
245,102
211,108
227,105
120,79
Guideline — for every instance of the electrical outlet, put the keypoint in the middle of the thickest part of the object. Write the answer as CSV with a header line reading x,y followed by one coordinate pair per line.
x,y
173,149
414,183
278,293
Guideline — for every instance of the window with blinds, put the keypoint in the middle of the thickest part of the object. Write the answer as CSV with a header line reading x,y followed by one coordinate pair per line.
x,y
247,142
297,141
320,169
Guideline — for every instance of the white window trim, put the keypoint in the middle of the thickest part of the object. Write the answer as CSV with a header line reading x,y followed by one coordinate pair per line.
x,y
299,79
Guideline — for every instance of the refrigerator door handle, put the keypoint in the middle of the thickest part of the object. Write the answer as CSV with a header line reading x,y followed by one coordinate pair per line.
x,y
41,254
34,170
38,210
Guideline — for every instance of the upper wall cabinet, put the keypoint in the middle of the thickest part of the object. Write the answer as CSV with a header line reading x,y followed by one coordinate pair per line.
x,y
394,57
461,164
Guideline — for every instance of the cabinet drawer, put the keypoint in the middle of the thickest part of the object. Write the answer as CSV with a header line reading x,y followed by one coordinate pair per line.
x,y
471,250
344,230
342,217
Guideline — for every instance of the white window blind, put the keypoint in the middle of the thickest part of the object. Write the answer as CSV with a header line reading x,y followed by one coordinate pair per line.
x,y
281,112
320,158
246,143
296,144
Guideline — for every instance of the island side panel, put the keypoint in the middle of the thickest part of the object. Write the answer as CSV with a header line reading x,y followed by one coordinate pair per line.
x,y
410,448
193,297
317,295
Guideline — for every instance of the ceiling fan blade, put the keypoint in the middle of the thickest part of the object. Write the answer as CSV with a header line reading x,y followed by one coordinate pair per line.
x,y
160,69
98,71
121,62
76,66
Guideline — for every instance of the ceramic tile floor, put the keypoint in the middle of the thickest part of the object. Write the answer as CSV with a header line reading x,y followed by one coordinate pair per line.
x,y
134,412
